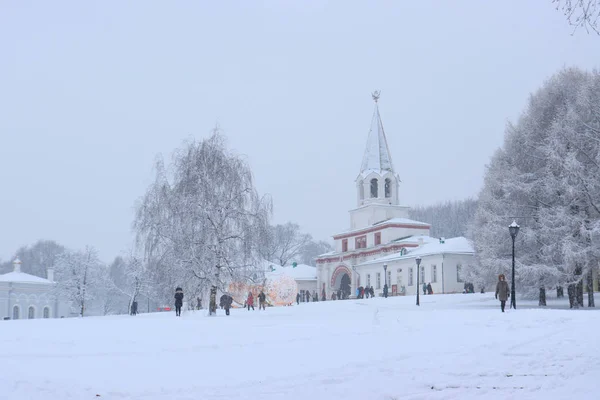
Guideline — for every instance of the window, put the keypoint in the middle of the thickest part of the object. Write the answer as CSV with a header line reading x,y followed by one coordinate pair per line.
x,y
399,278
422,274
434,273
31,314
361,242
368,280
410,277
378,281
458,275
16,312
388,188
377,238
345,245
46,312
389,278
361,190
374,188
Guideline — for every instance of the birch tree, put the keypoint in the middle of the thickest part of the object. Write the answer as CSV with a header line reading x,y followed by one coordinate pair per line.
x,y
201,223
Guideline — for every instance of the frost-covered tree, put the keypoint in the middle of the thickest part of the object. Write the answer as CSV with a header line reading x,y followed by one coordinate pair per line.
x,y
312,249
37,258
284,243
131,278
201,222
544,178
449,219
79,277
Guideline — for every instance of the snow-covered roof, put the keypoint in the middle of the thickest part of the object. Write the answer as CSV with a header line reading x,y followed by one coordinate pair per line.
x,y
404,221
301,272
457,245
22,277
377,154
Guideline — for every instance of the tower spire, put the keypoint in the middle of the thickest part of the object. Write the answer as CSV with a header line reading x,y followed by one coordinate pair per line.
x,y
377,154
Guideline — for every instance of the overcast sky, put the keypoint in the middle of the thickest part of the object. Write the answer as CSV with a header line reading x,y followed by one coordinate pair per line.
x,y
91,92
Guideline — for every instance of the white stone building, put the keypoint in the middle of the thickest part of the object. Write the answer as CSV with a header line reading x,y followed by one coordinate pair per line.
x,y
25,296
382,234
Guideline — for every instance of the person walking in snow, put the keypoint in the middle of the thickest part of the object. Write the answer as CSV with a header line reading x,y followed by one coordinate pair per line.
x,y
502,291
429,288
178,301
225,301
250,301
424,288
262,299
134,306
371,291
298,298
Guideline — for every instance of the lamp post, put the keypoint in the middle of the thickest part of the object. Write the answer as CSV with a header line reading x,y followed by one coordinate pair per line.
x,y
385,288
514,230
418,260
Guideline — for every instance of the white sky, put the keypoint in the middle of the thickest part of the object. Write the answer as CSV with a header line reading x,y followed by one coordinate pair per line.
x,y
91,92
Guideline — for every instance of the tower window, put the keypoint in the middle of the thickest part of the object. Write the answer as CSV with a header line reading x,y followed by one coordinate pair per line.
x,y
374,188
360,242
388,188
361,190
377,238
345,245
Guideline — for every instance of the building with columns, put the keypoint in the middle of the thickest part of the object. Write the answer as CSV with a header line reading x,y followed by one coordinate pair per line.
x,y
381,234
26,296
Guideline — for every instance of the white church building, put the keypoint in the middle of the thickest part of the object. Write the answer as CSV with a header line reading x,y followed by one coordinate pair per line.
x,y
26,296
382,244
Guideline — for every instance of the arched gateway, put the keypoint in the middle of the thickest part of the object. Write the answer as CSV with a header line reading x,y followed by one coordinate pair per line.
x,y
341,280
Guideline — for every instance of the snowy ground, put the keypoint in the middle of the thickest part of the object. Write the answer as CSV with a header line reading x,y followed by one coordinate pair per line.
x,y
452,347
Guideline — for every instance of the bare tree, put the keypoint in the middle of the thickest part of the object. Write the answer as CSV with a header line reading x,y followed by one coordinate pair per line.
x,y
581,13
203,220
284,243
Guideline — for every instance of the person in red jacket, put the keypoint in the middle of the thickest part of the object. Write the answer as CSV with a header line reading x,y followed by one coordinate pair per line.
x,y
250,301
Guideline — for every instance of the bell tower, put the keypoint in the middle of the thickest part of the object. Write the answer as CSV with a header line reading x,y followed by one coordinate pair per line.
x,y
377,183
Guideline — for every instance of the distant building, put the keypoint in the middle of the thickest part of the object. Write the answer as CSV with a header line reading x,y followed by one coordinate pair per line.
x,y
25,296
382,234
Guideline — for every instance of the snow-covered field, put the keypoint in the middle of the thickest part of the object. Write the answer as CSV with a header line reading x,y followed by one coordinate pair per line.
x,y
452,347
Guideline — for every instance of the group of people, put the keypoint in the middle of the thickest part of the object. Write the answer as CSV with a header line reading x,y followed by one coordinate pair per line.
x,y
262,301
306,297
226,301
427,288
365,292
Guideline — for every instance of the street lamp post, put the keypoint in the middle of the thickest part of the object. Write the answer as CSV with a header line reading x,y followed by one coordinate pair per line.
x,y
514,230
385,288
418,260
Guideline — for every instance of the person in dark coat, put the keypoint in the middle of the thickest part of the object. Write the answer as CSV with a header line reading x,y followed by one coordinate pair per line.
x,y
225,301
429,288
502,291
424,288
262,300
250,301
371,291
307,296
134,306
178,301
298,298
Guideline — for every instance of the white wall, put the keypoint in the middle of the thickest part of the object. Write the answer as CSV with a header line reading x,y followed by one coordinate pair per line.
x,y
30,295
